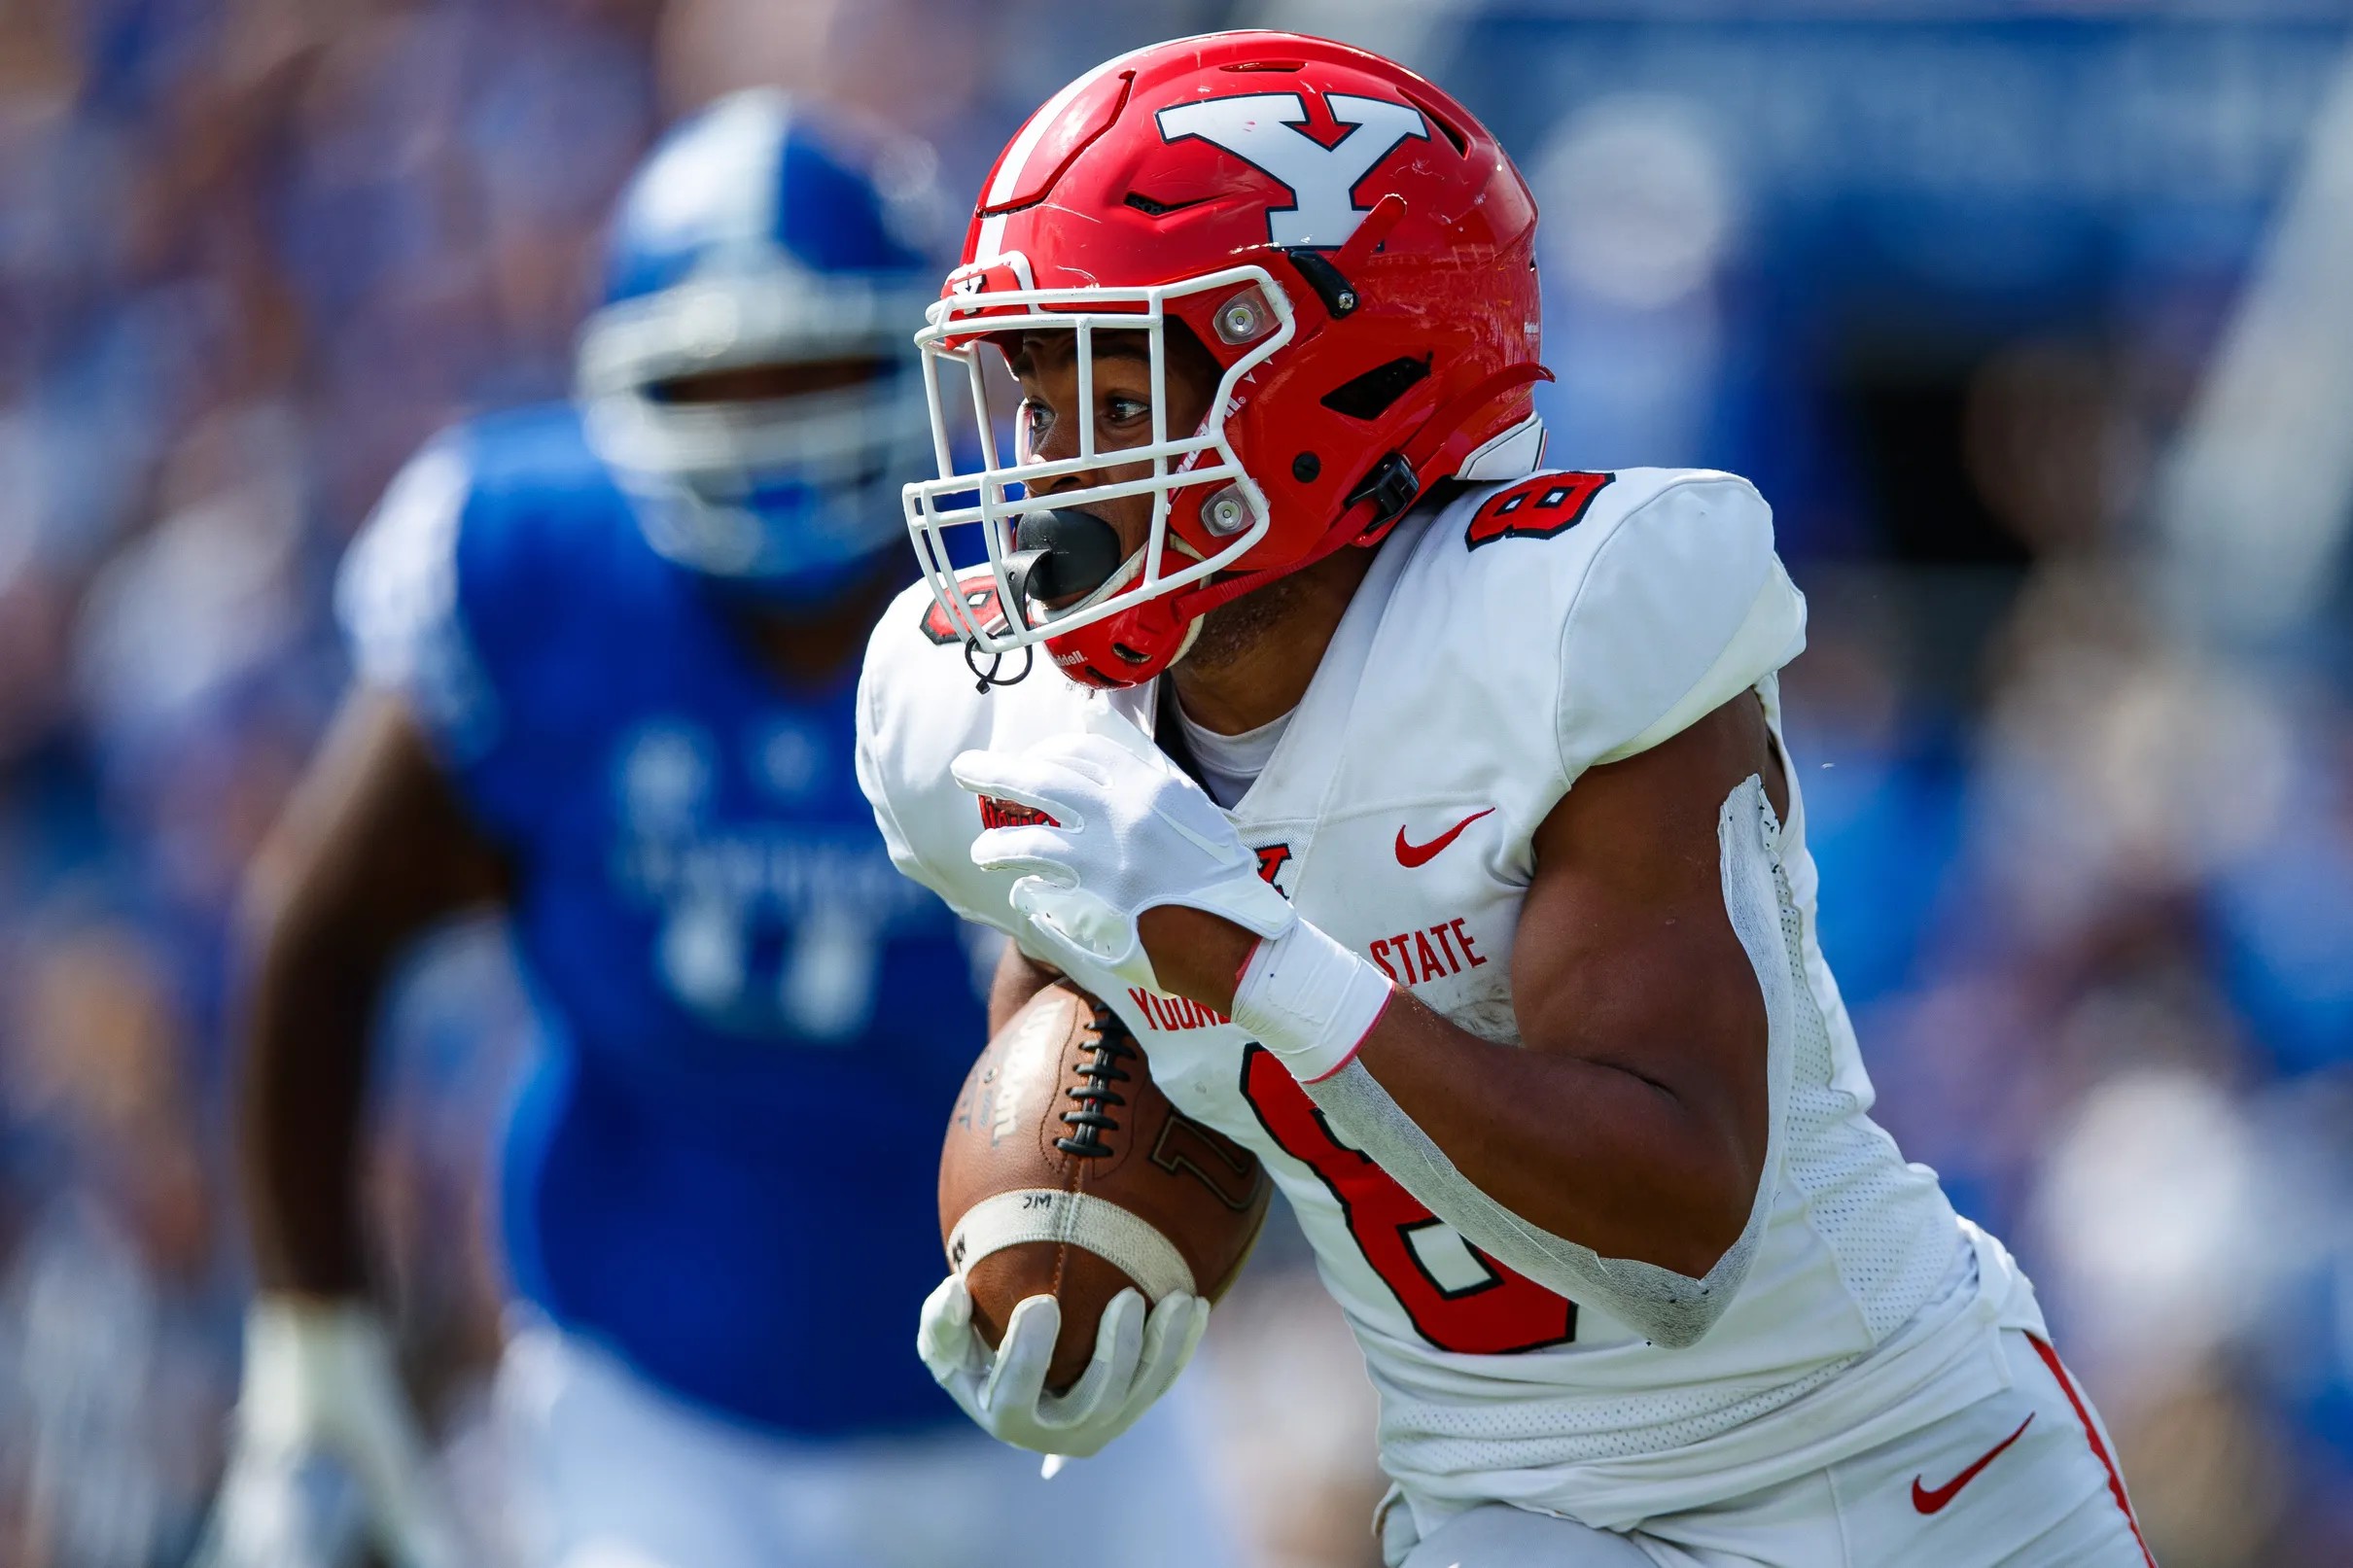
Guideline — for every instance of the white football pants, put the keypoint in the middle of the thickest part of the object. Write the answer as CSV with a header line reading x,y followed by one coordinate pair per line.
x,y
2025,1478
611,1472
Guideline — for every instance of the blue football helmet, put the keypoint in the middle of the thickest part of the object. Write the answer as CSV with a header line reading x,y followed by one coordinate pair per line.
x,y
762,235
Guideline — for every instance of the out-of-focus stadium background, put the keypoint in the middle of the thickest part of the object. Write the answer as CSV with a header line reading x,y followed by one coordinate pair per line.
x,y
2034,319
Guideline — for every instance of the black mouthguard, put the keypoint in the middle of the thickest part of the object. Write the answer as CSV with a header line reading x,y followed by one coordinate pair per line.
x,y
1060,555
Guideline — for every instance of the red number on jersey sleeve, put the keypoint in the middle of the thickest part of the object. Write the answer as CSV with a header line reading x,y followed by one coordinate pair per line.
x,y
1457,1296
1540,508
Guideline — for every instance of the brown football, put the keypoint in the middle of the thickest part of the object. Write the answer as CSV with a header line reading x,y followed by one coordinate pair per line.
x,y
1068,1174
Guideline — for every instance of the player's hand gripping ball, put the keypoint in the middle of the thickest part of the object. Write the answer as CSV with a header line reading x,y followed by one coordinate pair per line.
x,y
1088,1224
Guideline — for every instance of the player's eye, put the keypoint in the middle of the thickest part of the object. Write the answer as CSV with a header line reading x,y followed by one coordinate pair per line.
x,y
1034,419
1121,410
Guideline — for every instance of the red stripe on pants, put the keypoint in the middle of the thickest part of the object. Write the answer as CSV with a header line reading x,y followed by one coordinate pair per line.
x,y
2099,1449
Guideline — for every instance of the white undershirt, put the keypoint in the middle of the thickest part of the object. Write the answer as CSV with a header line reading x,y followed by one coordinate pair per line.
x,y
1230,764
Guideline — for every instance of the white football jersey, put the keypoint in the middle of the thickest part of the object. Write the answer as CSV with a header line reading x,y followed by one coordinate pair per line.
x,y
1497,648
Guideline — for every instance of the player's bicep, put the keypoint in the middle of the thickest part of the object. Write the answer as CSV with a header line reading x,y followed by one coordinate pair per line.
x,y
402,596
1626,954
374,842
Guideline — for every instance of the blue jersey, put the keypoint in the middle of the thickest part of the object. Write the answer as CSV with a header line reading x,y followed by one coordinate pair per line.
x,y
722,1164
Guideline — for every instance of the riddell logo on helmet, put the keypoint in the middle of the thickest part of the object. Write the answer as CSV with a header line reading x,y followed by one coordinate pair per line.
x,y
1266,130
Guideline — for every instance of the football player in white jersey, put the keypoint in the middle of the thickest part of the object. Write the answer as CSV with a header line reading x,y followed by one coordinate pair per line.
x,y
1426,817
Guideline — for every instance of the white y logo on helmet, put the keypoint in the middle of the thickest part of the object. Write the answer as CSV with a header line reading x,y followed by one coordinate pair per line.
x,y
1262,129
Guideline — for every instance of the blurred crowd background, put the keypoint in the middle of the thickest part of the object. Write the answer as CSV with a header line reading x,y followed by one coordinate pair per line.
x,y
2034,321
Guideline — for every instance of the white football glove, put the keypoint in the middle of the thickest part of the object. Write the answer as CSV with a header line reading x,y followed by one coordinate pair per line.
x,y
319,1391
1138,1356
1128,832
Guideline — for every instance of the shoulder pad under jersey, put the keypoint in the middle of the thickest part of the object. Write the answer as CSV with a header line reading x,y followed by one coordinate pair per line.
x,y
1629,604
495,529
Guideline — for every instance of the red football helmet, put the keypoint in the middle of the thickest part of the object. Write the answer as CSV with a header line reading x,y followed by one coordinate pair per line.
x,y
1352,247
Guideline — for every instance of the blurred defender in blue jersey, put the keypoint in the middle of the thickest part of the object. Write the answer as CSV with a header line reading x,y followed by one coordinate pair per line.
x,y
607,654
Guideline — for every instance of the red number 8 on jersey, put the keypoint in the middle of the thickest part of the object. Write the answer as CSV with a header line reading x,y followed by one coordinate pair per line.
x,y
1542,507
1483,1309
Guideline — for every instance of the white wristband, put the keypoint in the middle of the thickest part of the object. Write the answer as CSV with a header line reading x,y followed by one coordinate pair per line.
x,y
1309,1000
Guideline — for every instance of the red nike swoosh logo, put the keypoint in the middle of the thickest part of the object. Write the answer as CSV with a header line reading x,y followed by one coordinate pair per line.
x,y
1414,854
1929,1502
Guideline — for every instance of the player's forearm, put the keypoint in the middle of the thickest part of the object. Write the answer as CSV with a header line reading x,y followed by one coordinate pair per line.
x,y
1572,1142
1590,1151
303,1073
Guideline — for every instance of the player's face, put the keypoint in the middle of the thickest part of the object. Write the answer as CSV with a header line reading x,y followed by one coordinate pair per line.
x,y
1046,365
